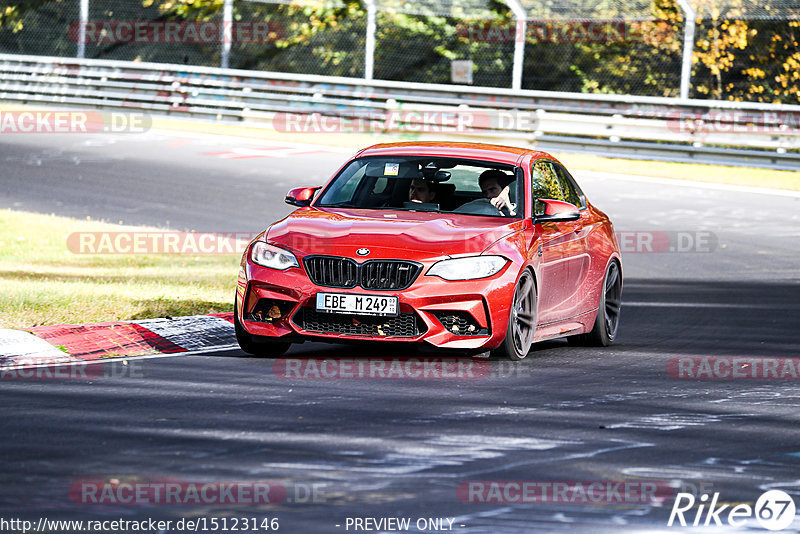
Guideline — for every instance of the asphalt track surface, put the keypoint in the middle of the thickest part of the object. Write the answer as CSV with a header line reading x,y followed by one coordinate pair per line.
x,y
401,447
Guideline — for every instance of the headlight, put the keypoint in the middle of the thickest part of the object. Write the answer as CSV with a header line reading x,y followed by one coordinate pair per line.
x,y
468,268
272,257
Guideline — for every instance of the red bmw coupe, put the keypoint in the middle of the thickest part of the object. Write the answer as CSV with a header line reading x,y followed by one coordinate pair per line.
x,y
459,245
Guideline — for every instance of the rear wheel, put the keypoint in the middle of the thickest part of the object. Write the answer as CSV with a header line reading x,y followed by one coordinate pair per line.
x,y
521,322
606,324
257,345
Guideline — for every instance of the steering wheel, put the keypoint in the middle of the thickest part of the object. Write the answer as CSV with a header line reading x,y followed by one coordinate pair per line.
x,y
480,206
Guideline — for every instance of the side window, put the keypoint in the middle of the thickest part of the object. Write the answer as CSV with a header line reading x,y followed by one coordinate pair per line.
x,y
544,184
343,191
572,193
465,179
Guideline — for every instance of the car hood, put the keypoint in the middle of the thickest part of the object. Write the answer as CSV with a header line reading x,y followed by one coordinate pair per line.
x,y
387,234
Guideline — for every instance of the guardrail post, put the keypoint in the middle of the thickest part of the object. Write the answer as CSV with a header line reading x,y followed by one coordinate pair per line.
x,y
520,33
84,16
369,46
689,14
227,34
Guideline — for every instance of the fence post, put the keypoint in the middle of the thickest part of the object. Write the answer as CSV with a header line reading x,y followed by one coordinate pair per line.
x,y
520,33
227,34
689,14
84,19
369,46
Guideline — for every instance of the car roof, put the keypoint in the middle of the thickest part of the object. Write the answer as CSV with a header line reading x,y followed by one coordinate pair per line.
x,y
506,154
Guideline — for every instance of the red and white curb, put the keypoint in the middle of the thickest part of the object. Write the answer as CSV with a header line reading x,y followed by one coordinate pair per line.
x,y
70,343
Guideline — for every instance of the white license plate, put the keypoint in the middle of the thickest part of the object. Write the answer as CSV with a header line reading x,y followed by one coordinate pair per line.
x,y
357,304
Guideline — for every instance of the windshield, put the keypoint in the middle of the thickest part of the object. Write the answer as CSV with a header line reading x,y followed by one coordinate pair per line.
x,y
426,183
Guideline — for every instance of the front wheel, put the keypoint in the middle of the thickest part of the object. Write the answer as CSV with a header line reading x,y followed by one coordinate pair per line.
x,y
255,345
521,322
606,324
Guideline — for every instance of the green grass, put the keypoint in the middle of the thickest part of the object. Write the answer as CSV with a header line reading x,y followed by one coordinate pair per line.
x,y
42,282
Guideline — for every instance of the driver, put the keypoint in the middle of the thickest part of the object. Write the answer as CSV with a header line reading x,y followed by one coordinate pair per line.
x,y
421,191
495,186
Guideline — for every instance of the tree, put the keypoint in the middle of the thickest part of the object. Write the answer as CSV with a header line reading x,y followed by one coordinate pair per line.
x,y
737,55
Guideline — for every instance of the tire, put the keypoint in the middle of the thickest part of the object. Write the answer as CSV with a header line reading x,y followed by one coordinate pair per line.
x,y
257,345
521,321
606,325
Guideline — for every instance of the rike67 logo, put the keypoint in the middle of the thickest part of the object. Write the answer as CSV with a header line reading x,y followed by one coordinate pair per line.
x,y
774,510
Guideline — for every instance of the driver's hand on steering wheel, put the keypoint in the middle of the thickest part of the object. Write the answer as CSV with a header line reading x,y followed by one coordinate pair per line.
x,y
503,201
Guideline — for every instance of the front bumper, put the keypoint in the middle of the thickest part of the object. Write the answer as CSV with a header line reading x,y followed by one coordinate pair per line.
x,y
470,314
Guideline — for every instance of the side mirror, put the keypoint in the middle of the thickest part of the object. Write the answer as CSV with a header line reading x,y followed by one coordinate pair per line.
x,y
557,211
301,196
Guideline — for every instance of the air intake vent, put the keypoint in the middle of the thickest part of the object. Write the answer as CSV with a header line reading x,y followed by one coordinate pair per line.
x,y
404,325
460,323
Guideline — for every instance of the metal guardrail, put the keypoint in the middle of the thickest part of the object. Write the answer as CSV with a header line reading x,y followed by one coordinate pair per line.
x,y
640,127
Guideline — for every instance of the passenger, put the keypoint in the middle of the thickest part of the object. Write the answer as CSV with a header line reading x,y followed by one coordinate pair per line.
x,y
495,186
421,191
